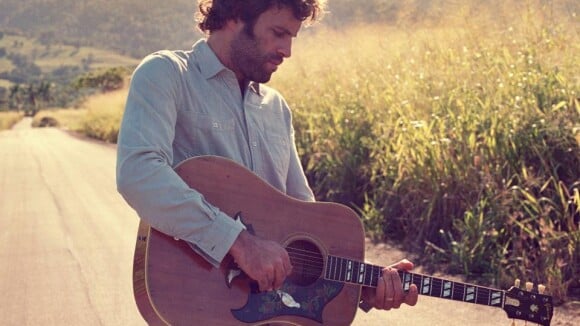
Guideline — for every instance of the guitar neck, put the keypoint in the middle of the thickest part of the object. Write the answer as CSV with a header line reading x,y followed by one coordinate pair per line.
x,y
349,271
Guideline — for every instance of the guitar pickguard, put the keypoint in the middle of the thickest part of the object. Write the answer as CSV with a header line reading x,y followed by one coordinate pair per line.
x,y
304,301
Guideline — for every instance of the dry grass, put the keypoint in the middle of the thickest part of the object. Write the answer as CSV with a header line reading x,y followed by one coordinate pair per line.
x,y
461,142
104,114
9,119
69,119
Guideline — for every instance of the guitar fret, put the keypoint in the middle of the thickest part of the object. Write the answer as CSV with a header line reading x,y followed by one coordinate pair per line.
x,y
436,287
496,298
481,296
425,285
332,266
407,281
343,269
351,271
457,292
447,289
369,275
361,273
469,293
377,275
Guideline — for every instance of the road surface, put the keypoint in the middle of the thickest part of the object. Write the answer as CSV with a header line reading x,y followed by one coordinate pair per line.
x,y
67,238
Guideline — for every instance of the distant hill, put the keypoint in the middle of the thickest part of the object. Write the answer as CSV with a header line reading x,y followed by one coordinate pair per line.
x,y
18,51
136,27
129,27
57,40
432,13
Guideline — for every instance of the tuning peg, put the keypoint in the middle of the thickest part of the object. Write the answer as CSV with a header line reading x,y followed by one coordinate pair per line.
x,y
541,288
517,283
529,286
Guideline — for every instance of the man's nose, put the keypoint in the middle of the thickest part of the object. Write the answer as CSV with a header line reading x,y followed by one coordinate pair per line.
x,y
285,49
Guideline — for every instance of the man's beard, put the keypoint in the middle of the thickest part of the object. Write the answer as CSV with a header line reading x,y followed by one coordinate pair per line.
x,y
248,59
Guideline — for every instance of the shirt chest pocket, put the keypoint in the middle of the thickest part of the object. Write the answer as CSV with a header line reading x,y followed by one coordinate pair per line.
x,y
203,134
213,124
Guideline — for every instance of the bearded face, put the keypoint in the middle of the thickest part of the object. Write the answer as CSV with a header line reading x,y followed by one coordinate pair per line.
x,y
258,49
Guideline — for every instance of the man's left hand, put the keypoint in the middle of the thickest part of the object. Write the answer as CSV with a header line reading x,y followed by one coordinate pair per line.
x,y
389,292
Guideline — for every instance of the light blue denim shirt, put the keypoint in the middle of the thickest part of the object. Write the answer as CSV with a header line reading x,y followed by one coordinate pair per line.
x,y
183,104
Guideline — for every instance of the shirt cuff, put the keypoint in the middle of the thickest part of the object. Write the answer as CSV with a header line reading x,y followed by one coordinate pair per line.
x,y
218,239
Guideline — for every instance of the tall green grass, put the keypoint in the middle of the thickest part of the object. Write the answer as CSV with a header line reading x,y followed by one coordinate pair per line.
x,y
460,143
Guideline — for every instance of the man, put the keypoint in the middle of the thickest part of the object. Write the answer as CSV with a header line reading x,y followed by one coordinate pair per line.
x,y
211,101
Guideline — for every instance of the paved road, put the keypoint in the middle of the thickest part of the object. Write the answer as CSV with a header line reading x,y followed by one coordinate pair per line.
x,y
67,237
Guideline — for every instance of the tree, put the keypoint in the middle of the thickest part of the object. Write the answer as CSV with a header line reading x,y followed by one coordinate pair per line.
x,y
44,92
3,92
15,97
106,81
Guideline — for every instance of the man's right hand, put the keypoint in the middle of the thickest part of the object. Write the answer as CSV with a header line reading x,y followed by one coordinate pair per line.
x,y
264,261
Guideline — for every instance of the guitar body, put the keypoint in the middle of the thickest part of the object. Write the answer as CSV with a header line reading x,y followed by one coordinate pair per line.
x,y
173,285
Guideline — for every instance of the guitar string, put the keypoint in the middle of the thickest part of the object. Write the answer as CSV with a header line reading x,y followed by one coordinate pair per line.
x,y
318,259
310,258
482,294
458,293
315,267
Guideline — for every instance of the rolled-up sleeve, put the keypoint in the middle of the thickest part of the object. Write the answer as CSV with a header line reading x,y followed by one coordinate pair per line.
x,y
145,177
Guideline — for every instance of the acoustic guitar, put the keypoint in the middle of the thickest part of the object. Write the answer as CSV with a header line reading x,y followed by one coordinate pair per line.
x,y
325,241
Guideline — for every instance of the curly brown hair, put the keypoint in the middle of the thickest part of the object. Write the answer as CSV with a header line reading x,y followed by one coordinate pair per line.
x,y
213,14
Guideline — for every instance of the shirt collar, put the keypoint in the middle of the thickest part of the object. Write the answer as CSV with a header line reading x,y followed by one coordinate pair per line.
x,y
255,87
210,65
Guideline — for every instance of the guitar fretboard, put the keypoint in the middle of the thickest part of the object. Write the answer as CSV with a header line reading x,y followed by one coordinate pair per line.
x,y
350,271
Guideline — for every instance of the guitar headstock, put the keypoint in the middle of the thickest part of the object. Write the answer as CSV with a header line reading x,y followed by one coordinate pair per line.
x,y
529,304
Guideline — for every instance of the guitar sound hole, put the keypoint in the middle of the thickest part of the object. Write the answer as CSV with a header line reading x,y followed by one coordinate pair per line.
x,y
307,262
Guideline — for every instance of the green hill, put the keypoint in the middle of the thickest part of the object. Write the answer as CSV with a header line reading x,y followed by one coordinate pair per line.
x,y
130,27
27,64
51,57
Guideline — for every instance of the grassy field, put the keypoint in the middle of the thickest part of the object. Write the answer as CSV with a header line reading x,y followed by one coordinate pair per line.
x,y
8,119
461,143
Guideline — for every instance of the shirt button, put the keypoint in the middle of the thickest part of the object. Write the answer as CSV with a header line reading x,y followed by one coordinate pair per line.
x,y
254,144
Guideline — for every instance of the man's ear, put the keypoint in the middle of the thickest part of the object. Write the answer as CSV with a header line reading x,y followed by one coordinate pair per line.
x,y
234,25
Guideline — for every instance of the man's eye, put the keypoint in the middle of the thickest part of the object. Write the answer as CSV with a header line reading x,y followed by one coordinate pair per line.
x,y
278,33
